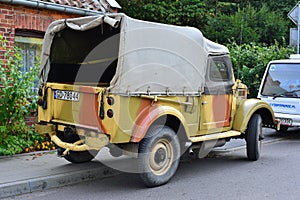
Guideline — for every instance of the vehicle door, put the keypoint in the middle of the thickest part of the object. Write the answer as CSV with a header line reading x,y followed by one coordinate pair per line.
x,y
216,102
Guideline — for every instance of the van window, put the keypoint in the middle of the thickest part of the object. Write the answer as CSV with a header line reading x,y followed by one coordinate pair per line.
x,y
282,79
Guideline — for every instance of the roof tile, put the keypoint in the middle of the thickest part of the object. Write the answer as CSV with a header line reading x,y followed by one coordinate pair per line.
x,y
84,4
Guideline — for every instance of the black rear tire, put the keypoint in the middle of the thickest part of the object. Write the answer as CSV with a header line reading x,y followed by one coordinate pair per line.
x,y
75,156
159,154
253,137
80,156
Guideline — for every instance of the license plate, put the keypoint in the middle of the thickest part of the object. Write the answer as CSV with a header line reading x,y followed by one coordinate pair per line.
x,y
66,95
286,121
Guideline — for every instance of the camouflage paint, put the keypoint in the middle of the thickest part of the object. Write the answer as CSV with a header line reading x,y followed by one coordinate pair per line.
x,y
215,112
134,115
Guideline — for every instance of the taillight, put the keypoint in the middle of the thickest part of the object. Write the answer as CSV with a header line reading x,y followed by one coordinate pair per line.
x,y
40,102
43,102
110,101
40,92
110,113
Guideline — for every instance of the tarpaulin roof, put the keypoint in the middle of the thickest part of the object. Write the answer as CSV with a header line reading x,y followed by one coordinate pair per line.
x,y
153,58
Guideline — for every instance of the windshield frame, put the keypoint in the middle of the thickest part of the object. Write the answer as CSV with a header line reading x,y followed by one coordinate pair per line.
x,y
280,86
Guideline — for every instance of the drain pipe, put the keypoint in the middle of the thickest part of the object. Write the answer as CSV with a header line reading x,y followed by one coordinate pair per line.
x,y
52,6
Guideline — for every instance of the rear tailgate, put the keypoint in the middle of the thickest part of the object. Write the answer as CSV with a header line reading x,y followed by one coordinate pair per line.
x,y
72,105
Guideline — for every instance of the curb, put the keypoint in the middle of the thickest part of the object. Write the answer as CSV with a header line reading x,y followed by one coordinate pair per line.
x,y
29,154
53,181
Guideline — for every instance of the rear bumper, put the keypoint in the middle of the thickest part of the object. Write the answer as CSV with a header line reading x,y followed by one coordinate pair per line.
x,y
93,142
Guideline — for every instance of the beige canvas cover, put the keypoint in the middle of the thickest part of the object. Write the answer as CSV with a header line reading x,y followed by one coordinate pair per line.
x,y
153,58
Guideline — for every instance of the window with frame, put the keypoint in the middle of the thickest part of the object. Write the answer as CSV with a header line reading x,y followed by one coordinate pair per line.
x,y
30,45
219,77
219,71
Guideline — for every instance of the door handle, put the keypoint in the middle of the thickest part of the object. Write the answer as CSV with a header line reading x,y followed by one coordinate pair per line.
x,y
204,102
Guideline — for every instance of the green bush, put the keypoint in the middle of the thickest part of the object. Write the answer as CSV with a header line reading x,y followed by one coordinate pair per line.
x,y
17,100
282,7
184,12
16,138
250,60
17,97
248,25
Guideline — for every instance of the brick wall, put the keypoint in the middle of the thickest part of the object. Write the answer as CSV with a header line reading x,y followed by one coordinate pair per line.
x,y
14,17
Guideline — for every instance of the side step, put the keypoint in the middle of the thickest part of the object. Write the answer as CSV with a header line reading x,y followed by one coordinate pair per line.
x,y
215,136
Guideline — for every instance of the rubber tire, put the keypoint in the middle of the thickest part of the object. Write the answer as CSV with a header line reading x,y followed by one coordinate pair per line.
x,y
154,136
253,137
80,156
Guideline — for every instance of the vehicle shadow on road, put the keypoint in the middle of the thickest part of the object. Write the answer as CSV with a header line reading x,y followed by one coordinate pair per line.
x,y
290,134
188,168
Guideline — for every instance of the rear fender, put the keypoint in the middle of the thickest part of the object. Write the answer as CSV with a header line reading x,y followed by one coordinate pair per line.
x,y
149,116
247,108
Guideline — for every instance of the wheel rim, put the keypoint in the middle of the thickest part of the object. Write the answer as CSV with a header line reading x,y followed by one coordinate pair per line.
x,y
161,157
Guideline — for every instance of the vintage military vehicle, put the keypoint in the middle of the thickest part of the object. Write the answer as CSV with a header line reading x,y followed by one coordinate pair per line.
x,y
147,88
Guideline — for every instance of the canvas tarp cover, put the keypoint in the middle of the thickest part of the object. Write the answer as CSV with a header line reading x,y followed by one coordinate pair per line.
x,y
153,58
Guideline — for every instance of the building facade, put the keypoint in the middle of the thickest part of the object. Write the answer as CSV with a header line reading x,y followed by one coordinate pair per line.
x,y
23,24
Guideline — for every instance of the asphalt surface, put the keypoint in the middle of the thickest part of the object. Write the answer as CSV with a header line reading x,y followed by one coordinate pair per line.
x,y
39,171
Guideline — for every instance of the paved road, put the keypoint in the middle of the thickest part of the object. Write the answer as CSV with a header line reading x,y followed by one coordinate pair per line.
x,y
228,175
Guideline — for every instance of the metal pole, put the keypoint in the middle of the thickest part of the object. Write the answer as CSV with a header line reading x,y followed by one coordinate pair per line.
x,y
52,6
298,29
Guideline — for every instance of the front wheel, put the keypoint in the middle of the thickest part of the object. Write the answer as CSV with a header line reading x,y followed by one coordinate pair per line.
x,y
159,154
253,137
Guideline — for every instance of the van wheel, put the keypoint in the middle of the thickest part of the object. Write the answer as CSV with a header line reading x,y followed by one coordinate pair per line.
x,y
159,154
80,156
253,137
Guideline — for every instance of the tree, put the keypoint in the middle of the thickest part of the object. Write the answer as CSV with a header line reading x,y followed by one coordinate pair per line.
x,y
237,20
184,12
250,61
248,25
